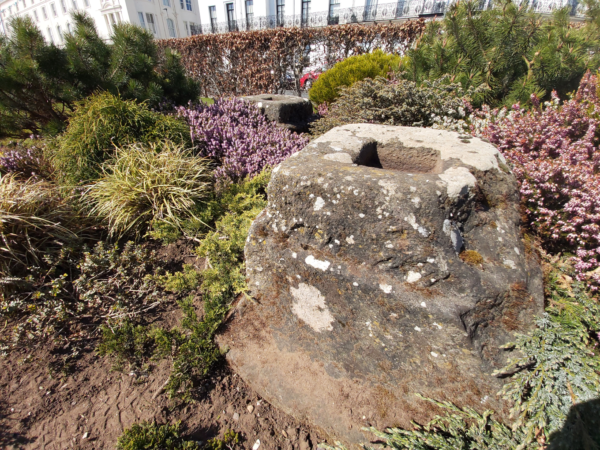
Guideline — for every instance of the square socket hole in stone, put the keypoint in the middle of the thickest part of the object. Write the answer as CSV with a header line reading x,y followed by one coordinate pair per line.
x,y
396,156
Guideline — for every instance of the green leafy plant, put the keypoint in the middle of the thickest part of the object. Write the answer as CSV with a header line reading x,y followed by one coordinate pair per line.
x,y
229,441
395,102
192,345
186,280
126,342
160,182
152,436
104,122
347,72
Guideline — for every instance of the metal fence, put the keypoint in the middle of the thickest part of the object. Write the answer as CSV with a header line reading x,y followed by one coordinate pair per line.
x,y
403,9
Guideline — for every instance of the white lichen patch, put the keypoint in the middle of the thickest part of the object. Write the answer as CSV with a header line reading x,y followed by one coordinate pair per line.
x,y
416,201
434,354
310,307
417,329
413,189
510,263
361,215
294,255
311,261
412,220
517,251
350,239
389,188
458,180
385,288
413,277
319,203
423,305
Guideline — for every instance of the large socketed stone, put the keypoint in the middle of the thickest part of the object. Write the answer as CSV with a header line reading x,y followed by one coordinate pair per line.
x,y
389,262
287,111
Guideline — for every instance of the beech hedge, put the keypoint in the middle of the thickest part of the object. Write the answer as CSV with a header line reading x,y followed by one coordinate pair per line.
x,y
271,61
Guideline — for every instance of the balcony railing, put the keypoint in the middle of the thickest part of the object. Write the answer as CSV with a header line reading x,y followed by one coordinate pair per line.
x,y
403,9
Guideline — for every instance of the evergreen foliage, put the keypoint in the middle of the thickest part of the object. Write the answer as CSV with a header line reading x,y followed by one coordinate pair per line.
x,y
347,72
40,83
152,436
508,49
104,122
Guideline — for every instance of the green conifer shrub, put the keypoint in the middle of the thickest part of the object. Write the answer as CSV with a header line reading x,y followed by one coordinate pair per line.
x,y
41,83
508,49
103,122
347,72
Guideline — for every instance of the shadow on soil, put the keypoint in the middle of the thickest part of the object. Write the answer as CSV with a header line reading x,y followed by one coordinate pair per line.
x,y
581,430
8,439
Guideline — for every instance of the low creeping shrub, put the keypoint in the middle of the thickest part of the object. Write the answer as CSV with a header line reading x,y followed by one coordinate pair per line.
x,y
75,286
126,342
143,185
152,436
347,72
395,102
239,138
104,122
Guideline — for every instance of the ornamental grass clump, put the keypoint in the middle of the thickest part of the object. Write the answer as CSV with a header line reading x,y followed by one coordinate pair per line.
x,y
147,184
239,138
554,152
35,221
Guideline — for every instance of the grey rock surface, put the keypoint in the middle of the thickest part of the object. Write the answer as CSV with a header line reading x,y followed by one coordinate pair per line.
x,y
389,262
288,111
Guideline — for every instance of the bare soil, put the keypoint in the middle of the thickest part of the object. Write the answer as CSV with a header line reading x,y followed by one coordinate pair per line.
x,y
89,406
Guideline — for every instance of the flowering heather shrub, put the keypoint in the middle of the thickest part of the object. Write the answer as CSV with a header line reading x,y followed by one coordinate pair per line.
x,y
555,155
239,138
25,162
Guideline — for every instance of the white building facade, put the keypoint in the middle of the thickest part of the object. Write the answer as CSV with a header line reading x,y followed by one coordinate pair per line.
x,y
163,18
181,18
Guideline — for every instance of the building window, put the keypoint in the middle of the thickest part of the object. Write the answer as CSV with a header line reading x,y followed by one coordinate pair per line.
x,y
74,4
35,14
334,14
280,12
69,29
195,29
167,3
86,3
63,6
249,13
44,13
60,34
181,3
171,27
151,24
370,9
305,12
142,21
212,11
188,5
231,25
53,8
50,35
187,28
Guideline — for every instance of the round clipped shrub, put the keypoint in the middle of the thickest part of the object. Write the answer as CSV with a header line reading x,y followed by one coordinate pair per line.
x,y
151,183
345,73
103,122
